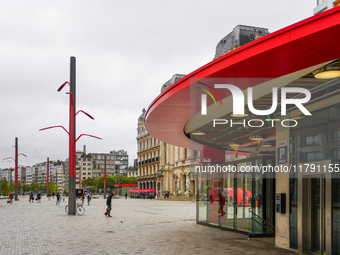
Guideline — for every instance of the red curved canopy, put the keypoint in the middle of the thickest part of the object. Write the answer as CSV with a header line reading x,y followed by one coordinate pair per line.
x,y
303,45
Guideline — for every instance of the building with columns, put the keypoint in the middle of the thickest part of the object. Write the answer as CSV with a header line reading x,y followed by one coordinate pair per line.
x,y
164,167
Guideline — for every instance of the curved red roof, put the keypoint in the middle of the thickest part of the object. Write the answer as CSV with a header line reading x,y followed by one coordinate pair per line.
x,y
302,45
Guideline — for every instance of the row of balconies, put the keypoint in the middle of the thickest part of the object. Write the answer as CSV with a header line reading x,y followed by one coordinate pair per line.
x,y
148,161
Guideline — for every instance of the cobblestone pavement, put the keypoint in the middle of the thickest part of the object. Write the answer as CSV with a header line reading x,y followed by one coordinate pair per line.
x,y
137,227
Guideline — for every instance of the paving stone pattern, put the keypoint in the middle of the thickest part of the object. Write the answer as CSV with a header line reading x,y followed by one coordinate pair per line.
x,y
138,226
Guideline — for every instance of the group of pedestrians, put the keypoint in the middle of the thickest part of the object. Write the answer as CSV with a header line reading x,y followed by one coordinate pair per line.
x,y
31,198
88,197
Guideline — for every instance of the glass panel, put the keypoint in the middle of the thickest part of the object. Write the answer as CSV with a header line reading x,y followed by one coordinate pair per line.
x,y
293,207
202,198
229,204
336,214
213,208
315,214
243,192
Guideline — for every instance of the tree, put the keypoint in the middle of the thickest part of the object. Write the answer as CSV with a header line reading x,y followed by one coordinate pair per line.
x,y
11,186
26,188
4,187
33,187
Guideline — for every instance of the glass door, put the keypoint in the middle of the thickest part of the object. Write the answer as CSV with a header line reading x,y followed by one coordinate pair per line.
x,y
318,215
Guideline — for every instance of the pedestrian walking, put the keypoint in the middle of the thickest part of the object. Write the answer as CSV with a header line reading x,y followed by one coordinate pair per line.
x,y
10,198
88,198
53,195
49,196
58,199
125,195
108,204
39,197
31,197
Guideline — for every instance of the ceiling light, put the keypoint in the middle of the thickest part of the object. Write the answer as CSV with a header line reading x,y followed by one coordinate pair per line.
x,y
235,146
256,138
239,115
267,144
298,118
327,72
197,132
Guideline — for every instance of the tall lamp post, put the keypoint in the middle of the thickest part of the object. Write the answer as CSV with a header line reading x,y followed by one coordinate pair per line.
x,y
72,135
16,168
105,176
47,176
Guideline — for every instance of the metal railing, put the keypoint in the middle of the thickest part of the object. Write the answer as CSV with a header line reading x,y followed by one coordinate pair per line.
x,y
264,222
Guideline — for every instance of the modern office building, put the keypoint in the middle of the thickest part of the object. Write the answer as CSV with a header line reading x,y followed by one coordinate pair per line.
x,y
274,100
121,162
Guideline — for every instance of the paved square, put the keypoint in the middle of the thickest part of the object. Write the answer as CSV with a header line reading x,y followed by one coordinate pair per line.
x,y
148,227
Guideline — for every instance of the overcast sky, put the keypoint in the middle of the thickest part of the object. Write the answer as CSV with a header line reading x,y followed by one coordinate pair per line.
x,y
125,52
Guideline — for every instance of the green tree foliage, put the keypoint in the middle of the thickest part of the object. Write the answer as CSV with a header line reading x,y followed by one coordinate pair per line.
x,y
33,187
11,186
113,180
53,188
25,188
89,182
4,187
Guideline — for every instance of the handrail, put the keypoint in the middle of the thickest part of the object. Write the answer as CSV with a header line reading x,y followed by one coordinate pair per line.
x,y
262,225
261,219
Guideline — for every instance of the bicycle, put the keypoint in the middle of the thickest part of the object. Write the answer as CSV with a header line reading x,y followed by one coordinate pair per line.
x,y
80,210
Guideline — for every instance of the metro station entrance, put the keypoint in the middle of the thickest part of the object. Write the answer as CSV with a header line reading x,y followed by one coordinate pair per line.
x,y
238,200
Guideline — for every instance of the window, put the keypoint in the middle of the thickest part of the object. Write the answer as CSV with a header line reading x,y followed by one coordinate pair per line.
x,y
336,136
312,140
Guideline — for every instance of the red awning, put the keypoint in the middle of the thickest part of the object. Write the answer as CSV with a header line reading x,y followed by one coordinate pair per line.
x,y
126,185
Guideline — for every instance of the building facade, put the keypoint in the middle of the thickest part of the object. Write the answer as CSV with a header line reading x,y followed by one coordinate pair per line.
x,y
92,165
164,167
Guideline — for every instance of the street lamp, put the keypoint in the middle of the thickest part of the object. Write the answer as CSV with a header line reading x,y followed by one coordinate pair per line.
x,y
16,167
72,134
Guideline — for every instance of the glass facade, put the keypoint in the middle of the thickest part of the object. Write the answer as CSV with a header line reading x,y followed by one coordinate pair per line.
x,y
236,200
315,138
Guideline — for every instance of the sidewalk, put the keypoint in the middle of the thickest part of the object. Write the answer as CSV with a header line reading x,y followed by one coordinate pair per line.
x,y
138,226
